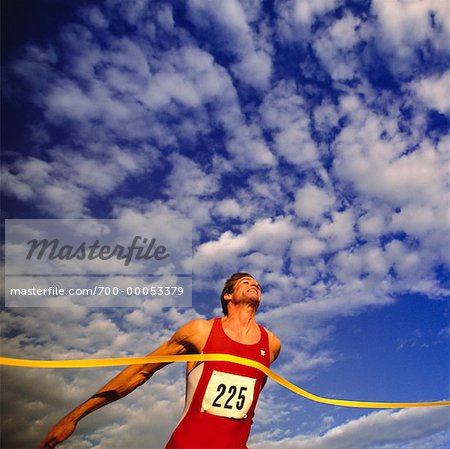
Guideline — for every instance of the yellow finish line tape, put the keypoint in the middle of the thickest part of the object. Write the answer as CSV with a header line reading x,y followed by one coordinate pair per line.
x,y
95,363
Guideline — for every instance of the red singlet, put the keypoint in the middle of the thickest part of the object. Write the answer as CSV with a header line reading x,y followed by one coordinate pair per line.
x,y
221,396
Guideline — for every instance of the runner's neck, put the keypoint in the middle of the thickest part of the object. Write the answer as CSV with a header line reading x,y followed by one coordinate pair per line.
x,y
240,322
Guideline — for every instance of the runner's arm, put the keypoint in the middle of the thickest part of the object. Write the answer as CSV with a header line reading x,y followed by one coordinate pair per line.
x,y
274,346
183,340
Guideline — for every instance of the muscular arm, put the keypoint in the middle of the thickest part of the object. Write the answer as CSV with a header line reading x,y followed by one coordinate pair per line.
x,y
274,346
189,338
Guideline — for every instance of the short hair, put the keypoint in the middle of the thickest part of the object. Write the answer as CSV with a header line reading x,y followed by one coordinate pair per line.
x,y
229,288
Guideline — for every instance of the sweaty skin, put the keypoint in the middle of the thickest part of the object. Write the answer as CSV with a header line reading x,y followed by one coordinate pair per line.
x,y
239,325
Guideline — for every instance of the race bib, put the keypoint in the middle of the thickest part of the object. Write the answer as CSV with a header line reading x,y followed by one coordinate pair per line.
x,y
228,395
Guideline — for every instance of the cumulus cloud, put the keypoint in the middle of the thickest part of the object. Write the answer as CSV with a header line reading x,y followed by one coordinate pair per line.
x,y
283,114
255,69
433,92
249,148
296,17
267,236
254,65
335,48
404,27
311,202
375,430
62,185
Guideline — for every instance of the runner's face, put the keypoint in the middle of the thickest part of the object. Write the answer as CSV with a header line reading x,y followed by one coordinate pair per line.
x,y
247,289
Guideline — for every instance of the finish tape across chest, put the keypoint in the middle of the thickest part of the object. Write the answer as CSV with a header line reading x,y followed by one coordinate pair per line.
x,y
228,395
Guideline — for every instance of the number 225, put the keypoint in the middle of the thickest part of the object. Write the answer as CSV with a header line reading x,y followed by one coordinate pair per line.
x,y
232,390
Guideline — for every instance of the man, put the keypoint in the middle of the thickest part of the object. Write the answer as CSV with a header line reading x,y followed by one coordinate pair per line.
x,y
220,396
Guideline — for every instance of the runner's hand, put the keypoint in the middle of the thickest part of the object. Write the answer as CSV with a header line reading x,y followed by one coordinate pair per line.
x,y
58,433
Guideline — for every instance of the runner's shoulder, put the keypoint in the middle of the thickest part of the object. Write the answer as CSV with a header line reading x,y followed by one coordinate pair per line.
x,y
274,343
196,328
199,325
271,334
194,334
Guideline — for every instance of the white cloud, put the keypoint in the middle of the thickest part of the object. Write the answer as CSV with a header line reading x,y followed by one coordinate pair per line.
x,y
165,17
294,143
372,224
189,188
376,162
296,17
222,252
253,65
94,16
266,236
326,117
305,11
417,219
253,10
167,87
372,431
132,11
403,26
307,246
335,48
62,185
305,363
70,101
283,113
249,148
351,265
404,260
187,178
231,208
18,185
338,231
434,92
255,69
312,202
230,16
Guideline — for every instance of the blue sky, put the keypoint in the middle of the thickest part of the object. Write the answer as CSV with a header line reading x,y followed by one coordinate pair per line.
x,y
308,143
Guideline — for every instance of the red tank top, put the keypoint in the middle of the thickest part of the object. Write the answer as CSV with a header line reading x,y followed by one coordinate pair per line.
x,y
221,396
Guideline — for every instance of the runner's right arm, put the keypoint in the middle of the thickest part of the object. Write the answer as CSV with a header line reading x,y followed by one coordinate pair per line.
x,y
188,339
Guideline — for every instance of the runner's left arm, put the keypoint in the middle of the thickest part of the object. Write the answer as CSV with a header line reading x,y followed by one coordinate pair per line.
x,y
184,340
274,346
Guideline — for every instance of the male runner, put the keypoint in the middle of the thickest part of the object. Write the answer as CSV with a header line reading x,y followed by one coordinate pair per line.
x,y
220,396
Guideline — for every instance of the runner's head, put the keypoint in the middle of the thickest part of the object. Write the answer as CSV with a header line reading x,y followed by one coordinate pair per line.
x,y
229,288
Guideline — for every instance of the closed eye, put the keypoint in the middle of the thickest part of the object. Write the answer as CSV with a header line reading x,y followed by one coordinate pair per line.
x,y
249,282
